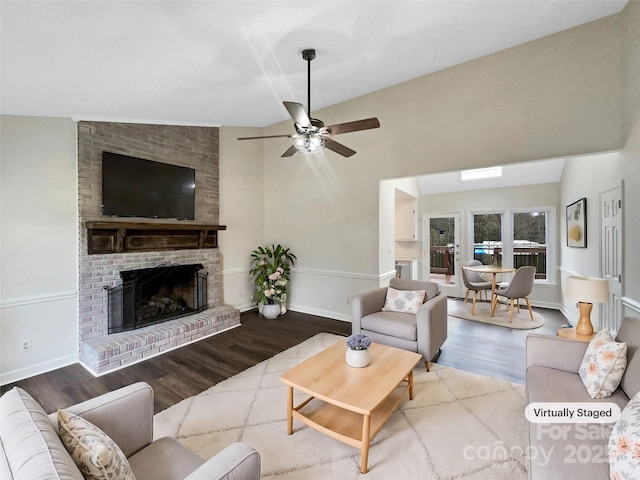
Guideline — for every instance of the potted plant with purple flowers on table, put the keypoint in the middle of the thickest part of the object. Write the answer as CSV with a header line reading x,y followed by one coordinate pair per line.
x,y
358,354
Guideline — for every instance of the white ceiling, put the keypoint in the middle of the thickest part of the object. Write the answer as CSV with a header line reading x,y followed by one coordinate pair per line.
x,y
234,62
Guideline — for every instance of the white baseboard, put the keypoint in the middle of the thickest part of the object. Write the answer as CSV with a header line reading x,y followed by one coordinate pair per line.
x,y
37,369
321,313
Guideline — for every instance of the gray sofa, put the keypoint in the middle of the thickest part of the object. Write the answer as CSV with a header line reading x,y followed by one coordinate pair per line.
x,y
423,333
32,449
573,451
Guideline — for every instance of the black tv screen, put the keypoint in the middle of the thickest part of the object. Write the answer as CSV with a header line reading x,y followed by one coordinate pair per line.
x,y
134,187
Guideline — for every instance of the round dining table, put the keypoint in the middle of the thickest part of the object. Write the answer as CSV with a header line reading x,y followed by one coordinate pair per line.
x,y
494,270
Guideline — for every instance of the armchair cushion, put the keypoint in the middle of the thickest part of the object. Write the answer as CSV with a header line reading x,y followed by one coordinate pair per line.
x,y
403,301
97,456
164,459
394,324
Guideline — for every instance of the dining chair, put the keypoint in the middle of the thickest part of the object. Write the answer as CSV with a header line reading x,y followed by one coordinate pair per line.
x,y
475,282
521,286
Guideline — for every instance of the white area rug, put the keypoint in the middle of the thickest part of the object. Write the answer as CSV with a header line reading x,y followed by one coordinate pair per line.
x,y
459,425
521,320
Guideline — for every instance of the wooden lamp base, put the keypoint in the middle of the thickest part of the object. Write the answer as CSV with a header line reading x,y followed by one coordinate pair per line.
x,y
584,326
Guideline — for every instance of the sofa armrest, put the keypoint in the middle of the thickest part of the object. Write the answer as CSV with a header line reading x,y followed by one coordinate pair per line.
x,y
432,325
366,304
125,415
554,352
238,461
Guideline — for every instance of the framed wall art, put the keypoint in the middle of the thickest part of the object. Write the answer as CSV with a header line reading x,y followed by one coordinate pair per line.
x,y
577,224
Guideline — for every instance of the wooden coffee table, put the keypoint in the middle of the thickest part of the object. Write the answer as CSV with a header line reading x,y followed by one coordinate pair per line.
x,y
351,404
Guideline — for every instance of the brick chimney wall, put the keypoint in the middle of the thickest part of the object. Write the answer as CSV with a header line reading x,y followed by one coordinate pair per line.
x,y
194,147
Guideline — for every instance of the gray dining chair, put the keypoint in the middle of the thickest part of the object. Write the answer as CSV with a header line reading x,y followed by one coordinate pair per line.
x,y
520,286
475,283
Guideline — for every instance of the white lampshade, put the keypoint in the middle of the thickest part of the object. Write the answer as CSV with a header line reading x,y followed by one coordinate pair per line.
x,y
587,289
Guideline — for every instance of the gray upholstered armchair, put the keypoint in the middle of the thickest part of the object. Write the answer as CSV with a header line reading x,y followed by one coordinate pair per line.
x,y
31,447
424,332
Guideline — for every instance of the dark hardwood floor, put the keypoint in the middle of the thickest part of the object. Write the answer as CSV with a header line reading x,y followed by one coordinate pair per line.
x,y
186,371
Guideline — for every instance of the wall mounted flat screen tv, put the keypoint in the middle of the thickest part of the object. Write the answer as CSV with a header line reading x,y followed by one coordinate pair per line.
x,y
134,187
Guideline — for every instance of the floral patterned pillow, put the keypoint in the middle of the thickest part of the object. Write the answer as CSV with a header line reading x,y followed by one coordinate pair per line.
x,y
403,301
624,443
96,455
603,365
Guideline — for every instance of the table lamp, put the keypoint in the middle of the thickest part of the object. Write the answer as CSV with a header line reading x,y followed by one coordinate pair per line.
x,y
586,291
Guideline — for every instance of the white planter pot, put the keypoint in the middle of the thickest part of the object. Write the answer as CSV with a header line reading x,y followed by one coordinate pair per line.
x,y
271,311
358,358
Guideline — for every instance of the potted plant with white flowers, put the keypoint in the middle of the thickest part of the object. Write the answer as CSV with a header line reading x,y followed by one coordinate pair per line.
x,y
270,268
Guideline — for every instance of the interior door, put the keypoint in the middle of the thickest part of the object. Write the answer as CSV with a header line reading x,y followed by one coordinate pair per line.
x,y
441,252
611,256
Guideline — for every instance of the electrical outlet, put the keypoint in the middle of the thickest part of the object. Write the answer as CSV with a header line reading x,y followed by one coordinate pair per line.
x,y
348,300
25,345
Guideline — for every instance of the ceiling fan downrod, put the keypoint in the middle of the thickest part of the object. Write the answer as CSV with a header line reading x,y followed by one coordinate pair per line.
x,y
308,55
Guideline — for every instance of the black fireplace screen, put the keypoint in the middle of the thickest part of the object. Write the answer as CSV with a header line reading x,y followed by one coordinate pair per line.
x,y
154,295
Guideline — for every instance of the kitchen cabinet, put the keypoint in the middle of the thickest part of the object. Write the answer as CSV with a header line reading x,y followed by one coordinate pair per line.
x,y
406,211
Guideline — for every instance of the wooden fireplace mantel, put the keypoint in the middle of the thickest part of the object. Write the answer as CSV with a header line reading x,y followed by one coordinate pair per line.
x,y
124,237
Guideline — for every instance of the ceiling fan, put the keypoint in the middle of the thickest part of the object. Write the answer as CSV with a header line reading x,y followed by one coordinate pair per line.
x,y
311,134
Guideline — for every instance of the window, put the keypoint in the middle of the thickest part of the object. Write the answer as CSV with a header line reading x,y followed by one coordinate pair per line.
x,y
530,241
514,238
487,238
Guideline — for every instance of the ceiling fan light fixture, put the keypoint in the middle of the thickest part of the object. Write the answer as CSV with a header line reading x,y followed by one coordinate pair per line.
x,y
309,143
311,134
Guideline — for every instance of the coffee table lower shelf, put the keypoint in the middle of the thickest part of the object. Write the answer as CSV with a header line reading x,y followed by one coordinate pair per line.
x,y
353,428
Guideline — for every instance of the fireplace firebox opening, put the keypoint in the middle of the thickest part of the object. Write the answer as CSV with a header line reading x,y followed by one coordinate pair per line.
x,y
153,295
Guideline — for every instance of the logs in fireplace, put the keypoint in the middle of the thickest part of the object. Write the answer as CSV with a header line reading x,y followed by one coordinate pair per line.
x,y
153,295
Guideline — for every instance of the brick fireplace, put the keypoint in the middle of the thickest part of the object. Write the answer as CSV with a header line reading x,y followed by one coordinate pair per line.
x,y
195,147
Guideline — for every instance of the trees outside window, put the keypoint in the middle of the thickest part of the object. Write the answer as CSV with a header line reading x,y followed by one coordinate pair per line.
x,y
487,238
530,241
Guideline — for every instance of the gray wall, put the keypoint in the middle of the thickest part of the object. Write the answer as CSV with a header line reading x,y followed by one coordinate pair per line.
x,y
558,96
38,245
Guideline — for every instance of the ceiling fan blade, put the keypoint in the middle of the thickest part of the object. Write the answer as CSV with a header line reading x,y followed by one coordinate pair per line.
x,y
338,147
298,113
267,136
290,151
365,124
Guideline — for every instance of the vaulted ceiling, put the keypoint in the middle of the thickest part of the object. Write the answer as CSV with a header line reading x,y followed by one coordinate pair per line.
x,y
234,62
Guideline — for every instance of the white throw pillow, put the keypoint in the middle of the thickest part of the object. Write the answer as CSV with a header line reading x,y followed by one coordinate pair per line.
x,y
403,301
96,455
603,365
624,443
